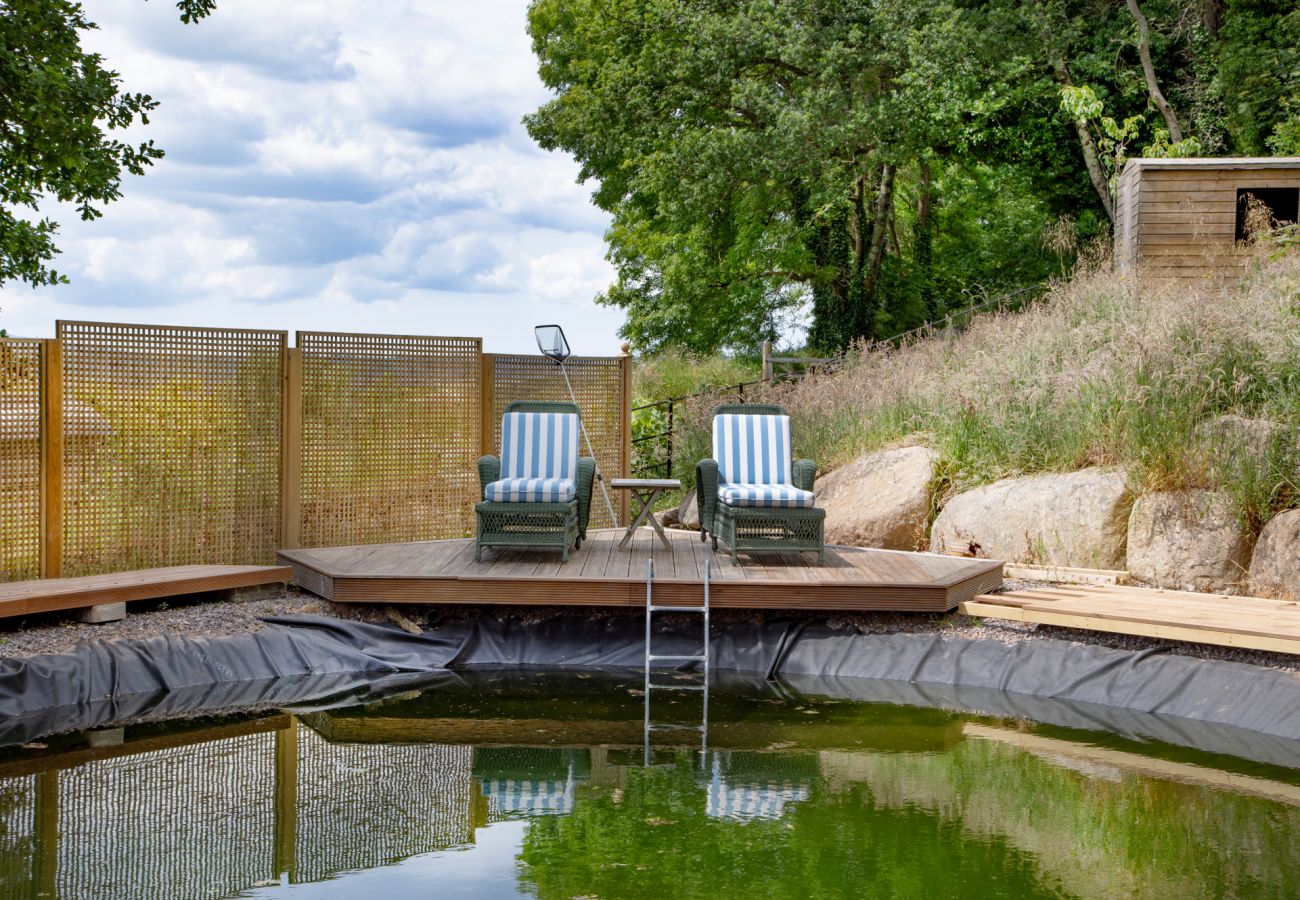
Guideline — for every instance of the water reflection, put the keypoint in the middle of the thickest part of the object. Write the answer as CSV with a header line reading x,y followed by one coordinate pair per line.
x,y
492,788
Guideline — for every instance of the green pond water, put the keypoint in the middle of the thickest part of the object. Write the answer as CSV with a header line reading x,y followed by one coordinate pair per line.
x,y
522,784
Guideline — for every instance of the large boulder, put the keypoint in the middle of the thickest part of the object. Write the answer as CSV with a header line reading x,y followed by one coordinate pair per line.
x,y
1075,519
1275,564
880,500
688,513
1191,541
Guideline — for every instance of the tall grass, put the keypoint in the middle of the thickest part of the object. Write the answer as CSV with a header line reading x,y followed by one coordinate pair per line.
x,y
1096,373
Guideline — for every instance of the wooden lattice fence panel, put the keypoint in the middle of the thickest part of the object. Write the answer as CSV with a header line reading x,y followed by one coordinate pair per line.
x,y
179,456
20,460
598,385
391,430
364,805
196,821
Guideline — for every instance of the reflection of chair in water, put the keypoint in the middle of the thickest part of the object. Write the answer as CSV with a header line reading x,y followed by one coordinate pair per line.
x,y
748,786
529,781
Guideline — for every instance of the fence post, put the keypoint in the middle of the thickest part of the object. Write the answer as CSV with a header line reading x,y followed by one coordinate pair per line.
x,y
487,404
767,360
625,421
291,450
286,802
672,425
51,441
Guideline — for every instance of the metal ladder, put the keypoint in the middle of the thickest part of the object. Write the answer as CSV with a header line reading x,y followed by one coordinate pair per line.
x,y
651,658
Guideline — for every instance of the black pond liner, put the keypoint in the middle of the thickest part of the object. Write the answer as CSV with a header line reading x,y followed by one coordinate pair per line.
x,y
305,661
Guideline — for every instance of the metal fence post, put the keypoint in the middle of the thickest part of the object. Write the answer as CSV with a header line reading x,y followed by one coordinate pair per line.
x,y
671,427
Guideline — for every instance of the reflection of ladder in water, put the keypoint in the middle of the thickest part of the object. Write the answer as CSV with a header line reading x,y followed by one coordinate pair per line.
x,y
651,658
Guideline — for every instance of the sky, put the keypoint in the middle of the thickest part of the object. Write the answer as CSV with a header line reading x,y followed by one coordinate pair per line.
x,y
335,166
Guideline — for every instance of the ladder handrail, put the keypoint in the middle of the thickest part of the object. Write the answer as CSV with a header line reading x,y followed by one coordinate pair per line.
x,y
705,655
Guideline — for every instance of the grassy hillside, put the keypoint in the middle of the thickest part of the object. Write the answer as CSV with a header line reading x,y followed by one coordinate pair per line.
x,y
1096,373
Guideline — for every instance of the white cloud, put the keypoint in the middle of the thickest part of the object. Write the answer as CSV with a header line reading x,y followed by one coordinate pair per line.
x,y
350,165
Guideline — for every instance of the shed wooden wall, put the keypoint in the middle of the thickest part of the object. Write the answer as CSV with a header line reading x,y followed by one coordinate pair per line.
x,y
1180,221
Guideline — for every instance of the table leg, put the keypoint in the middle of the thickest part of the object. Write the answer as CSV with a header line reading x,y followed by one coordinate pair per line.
x,y
654,521
646,506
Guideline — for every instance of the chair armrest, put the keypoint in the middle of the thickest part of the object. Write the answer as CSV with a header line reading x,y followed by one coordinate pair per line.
x,y
586,475
489,470
706,491
804,474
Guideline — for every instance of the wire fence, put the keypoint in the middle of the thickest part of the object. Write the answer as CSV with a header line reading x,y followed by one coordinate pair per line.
x,y
655,425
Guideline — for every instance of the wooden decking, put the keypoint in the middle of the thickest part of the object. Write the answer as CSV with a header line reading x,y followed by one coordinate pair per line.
x,y
602,575
1252,623
22,598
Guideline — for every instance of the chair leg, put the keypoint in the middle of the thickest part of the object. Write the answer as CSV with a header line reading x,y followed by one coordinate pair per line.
x,y
715,543
704,535
734,560
478,552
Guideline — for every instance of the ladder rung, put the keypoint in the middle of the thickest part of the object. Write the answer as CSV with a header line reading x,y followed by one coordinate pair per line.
x,y
653,657
697,609
677,687
667,726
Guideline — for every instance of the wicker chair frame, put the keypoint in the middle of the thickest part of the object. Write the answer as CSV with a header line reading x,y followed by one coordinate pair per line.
x,y
759,528
559,525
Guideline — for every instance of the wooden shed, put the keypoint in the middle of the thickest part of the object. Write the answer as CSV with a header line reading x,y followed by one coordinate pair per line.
x,y
1186,218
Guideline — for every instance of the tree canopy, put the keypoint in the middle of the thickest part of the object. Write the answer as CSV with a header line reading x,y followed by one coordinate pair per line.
x,y
59,106
877,163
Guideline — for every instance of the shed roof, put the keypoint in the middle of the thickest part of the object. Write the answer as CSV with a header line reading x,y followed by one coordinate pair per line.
x,y
1215,162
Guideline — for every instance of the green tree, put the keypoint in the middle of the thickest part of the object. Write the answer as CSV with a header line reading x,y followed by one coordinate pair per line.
x,y
764,160
750,153
58,108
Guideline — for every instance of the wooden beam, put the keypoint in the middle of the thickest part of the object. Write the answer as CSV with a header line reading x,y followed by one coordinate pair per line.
x,y
51,440
22,598
487,405
987,607
291,450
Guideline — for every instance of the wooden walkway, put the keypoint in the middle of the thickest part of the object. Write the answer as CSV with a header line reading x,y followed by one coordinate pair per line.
x,y
23,598
1248,622
602,575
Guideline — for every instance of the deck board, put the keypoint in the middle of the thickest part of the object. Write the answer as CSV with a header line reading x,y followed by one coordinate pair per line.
x,y
22,598
601,574
1253,623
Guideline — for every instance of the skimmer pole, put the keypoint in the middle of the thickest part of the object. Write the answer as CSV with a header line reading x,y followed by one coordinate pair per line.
x,y
553,344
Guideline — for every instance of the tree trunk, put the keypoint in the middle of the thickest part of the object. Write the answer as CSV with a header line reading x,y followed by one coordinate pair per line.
x,y
868,302
1149,72
923,241
1212,16
1091,158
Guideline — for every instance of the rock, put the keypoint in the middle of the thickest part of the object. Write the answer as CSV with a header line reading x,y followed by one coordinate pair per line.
x,y
1075,519
667,516
1275,564
1191,541
880,500
688,513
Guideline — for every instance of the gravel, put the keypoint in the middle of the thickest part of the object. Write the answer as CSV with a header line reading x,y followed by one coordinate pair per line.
x,y
59,633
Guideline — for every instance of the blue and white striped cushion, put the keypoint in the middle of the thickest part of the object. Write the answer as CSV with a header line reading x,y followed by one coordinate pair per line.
x,y
752,449
531,490
764,495
539,445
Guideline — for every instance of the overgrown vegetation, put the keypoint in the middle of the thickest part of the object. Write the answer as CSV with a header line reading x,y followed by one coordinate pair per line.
x,y
1096,373
871,165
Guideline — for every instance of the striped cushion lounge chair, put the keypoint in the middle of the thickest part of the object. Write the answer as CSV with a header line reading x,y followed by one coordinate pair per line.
x,y
753,494
537,493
